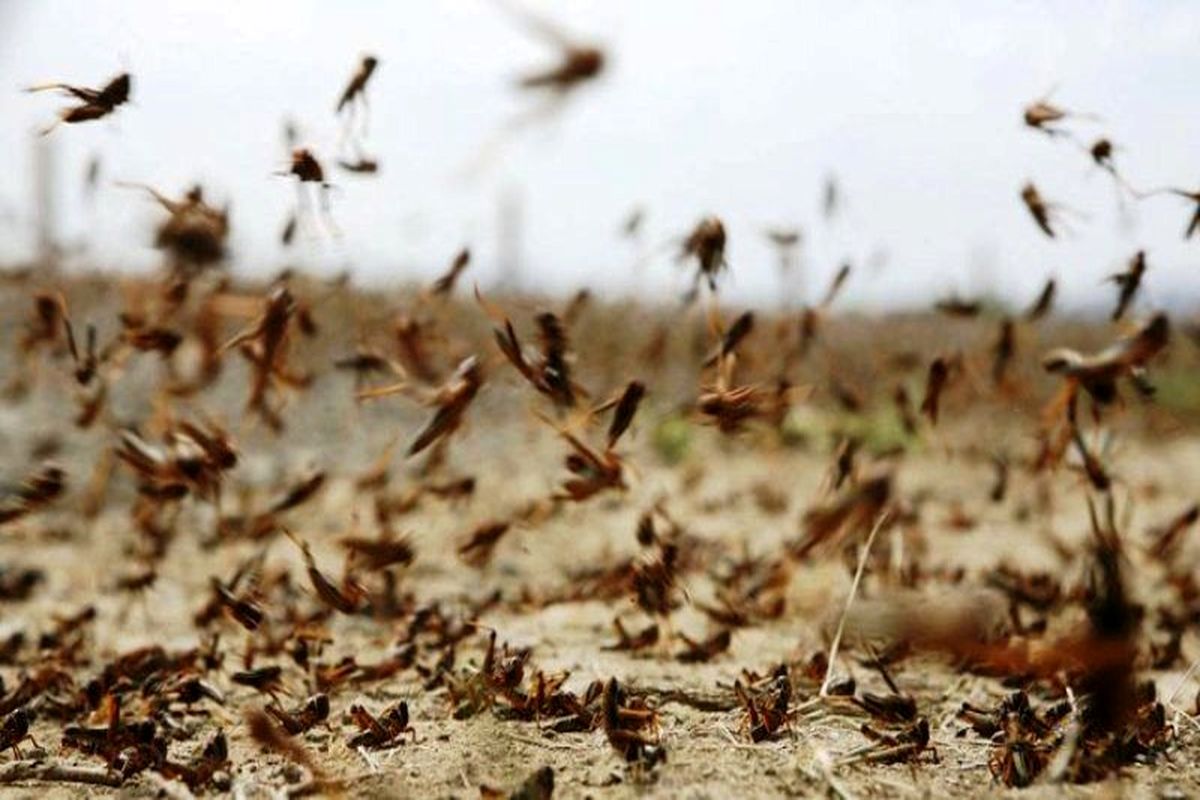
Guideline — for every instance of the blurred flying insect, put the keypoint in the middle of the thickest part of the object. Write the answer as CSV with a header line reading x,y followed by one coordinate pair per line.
x,y
264,344
810,317
354,96
346,599
1098,373
1192,196
362,165
626,406
955,306
1128,283
835,286
477,550
1039,208
1003,351
593,470
38,490
831,198
308,170
450,400
194,234
94,103
549,372
631,226
935,382
91,177
1044,302
14,730
1042,115
739,330
579,64
706,244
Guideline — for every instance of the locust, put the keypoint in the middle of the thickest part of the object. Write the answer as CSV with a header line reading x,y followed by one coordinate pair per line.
x,y
93,103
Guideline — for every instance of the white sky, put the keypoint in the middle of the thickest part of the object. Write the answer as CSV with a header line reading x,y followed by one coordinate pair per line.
x,y
734,108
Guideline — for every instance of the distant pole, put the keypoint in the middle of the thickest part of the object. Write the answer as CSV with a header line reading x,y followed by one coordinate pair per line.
x,y
509,230
44,197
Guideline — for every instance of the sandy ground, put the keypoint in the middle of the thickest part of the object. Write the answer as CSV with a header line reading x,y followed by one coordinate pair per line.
x,y
516,459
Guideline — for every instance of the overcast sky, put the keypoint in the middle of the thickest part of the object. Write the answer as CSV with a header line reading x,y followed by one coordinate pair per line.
x,y
735,108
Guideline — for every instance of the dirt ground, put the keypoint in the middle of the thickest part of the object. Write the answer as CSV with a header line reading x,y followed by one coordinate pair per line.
x,y
744,495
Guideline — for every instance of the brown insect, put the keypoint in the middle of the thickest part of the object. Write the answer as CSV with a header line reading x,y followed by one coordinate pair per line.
x,y
19,583
764,717
729,406
194,233
889,748
1003,351
549,372
264,344
955,306
1093,468
935,382
14,730
346,599
835,285
287,234
244,608
86,359
739,330
194,458
626,409
706,244
578,63
640,640
308,171
45,322
1098,374
94,103
1041,115
1038,208
310,713
444,286
267,680
385,731
843,462
139,581
38,490
379,554
355,93
631,731
1044,302
1000,482
451,401
1192,196
363,165
477,549
859,506
696,652
594,471
1166,538
1128,283
654,581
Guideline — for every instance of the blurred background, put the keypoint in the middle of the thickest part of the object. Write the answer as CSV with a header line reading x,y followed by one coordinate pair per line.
x,y
746,110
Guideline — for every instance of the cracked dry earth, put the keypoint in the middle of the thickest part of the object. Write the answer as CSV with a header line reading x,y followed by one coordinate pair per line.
x,y
734,500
